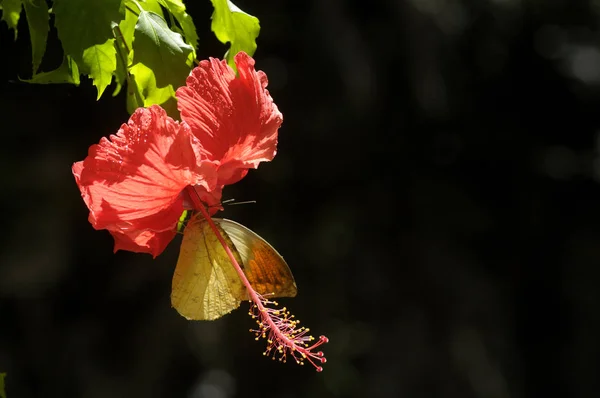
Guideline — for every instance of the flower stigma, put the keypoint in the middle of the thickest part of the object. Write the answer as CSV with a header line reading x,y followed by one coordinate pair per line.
x,y
283,336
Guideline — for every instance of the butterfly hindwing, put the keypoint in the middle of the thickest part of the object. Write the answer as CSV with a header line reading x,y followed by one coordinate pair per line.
x,y
205,284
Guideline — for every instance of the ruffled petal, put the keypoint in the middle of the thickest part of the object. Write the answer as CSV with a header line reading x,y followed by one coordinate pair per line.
x,y
142,241
235,119
132,182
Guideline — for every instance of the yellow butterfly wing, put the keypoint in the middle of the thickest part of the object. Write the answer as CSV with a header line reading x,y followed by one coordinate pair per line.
x,y
205,284
264,267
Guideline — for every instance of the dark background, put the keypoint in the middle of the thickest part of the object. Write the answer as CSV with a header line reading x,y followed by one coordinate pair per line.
x,y
435,194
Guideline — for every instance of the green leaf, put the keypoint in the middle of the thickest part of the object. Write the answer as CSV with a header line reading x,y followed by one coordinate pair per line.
x,y
68,72
100,62
161,50
82,24
127,27
11,12
151,5
177,8
123,33
145,82
2,390
121,71
233,25
37,19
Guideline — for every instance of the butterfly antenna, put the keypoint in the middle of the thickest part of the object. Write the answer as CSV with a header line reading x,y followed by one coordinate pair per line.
x,y
233,203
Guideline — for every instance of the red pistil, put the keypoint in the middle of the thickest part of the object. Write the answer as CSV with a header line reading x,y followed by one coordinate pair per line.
x,y
277,326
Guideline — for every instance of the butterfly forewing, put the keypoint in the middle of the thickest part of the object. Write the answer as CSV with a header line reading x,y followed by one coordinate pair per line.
x,y
266,270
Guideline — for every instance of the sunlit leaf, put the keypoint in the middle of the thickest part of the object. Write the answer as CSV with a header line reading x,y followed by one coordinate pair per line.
x,y
121,69
11,12
37,20
230,24
82,24
161,50
151,5
145,82
127,27
177,8
123,33
100,62
68,72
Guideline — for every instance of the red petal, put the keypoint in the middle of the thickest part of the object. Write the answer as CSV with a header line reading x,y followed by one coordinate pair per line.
x,y
235,119
144,241
132,182
211,200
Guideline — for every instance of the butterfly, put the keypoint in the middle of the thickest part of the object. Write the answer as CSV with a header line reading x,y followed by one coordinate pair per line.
x,y
205,284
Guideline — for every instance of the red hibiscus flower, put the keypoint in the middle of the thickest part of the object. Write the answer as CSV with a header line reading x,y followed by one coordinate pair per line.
x,y
235,119
134,183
